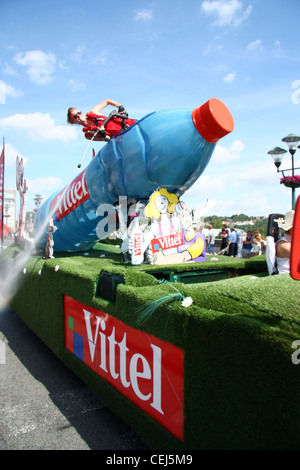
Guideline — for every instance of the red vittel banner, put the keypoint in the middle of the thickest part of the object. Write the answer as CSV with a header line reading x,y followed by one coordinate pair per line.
x,y
147,370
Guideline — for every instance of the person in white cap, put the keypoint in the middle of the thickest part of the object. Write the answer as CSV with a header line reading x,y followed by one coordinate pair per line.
x,y
283,246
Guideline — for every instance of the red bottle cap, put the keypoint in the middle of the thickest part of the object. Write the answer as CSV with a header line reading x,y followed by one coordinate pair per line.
x,y
213,120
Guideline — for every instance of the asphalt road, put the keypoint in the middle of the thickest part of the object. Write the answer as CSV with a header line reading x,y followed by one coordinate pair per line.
x,y
44,406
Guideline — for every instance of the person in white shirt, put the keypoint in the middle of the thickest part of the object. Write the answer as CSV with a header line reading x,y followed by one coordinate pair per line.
x,y
283,246
233,242
211,239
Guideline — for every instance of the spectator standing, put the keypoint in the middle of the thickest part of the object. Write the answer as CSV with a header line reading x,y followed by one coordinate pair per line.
x,y
233,242
225,237
211,239
247,245
240,244
257,243
283,246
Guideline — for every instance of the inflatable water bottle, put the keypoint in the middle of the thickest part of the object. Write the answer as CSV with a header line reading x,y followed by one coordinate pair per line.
x,y
168,148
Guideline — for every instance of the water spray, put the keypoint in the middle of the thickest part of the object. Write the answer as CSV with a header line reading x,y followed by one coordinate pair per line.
x,y
83,157
12,269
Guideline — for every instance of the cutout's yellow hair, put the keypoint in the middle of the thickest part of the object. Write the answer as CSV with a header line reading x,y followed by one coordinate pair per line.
x,y
152,211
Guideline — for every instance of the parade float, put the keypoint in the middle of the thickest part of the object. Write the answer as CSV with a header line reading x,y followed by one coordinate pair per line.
x,y
193,352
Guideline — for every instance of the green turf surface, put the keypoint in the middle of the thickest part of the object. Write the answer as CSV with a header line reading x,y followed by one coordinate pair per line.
x,y
241,388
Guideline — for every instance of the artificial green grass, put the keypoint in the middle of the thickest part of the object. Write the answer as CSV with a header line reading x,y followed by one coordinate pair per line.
x,y
241,388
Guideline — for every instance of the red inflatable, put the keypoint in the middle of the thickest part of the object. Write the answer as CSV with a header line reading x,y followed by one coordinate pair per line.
x,y
295,253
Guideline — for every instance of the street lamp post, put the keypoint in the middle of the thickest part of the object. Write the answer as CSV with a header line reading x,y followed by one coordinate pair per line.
x,y
277,153
37,200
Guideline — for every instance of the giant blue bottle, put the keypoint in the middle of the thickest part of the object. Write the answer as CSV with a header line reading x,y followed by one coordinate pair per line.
x,y
167,149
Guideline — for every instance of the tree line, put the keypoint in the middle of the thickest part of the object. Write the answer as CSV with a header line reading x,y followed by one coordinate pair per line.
x,y
260,223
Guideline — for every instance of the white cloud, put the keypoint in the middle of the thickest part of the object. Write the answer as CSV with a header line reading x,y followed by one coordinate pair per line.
x,y
11,91
205,187
225,155
230,77
101,58
217,179
79,53
213,48
255,45
226,12
39,126
40,65
8,70
82,54
143,15
11,154
263,99
239,186
260,175
8,90
42,185
254,204
76,86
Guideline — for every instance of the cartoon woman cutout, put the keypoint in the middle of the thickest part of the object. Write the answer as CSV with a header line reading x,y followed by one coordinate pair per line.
x,y
169,217
194,244
193,247
159,209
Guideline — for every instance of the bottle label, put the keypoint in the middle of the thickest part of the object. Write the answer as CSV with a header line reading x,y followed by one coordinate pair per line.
x,y
71,197
137,245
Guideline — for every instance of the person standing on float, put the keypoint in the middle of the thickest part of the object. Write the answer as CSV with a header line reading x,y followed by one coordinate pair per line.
x,y
283,246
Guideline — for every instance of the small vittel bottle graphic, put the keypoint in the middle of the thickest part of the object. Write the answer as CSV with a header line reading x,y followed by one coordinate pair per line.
x,y
137,256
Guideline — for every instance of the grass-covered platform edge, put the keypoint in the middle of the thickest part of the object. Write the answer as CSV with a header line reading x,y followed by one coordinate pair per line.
x,y
241,387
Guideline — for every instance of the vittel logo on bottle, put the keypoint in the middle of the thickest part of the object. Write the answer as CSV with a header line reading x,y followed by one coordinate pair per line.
x,y
147,370
70,197
137,244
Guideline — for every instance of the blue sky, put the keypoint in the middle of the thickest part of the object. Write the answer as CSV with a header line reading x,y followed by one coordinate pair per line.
x,y
152,55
